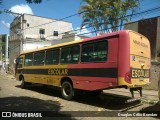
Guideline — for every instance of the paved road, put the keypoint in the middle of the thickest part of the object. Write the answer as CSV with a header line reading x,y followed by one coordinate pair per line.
x,y
37,98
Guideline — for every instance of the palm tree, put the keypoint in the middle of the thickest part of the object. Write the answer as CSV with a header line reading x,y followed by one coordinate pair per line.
x,y
119,10
89,14
103,15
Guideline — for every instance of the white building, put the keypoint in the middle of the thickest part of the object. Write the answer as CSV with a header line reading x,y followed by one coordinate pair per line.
x,y
31,32
67,37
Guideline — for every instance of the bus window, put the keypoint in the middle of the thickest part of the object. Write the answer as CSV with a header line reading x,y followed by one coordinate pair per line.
x,y
94,52
19,62
70,54
39,58
28,59
52,57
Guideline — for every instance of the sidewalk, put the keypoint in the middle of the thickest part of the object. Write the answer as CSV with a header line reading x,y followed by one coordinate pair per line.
x,y
151,96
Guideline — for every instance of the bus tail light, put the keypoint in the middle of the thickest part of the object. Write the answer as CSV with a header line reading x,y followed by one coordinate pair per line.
x,y
128,77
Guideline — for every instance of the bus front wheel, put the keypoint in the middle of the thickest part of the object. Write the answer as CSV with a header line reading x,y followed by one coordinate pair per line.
x,y
23,83
67,90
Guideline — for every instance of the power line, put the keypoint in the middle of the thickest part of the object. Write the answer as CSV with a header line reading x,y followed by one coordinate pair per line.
x,y
84,11
143,12
130,15
7,11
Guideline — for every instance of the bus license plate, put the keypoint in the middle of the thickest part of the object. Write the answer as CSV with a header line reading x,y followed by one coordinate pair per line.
x,y
140,73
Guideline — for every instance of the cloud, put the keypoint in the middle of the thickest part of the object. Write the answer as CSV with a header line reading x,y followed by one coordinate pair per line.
x,y
22,8
84,31
5,23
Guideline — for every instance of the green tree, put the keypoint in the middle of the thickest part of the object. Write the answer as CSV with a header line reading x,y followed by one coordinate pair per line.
x,y
102,15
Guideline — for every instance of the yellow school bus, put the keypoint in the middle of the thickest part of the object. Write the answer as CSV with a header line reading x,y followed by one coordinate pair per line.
x,y
115,60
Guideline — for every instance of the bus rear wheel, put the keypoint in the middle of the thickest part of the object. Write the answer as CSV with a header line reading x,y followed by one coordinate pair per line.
x,y
67,90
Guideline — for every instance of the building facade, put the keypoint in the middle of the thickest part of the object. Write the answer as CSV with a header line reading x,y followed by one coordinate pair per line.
x,y
31,32
151,29
67,37
4,61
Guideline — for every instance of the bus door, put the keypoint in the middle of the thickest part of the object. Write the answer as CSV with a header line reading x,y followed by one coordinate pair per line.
x,y
18,66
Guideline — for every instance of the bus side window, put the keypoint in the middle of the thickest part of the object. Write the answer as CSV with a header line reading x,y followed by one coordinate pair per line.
x,y
70,55
19,62
52,57
39,58
28,59
95,51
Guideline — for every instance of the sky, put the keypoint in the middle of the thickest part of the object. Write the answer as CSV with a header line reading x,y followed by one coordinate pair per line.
x,y
58,9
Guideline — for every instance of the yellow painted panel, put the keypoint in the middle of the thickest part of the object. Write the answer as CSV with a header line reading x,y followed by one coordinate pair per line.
x,y
135,82
139,45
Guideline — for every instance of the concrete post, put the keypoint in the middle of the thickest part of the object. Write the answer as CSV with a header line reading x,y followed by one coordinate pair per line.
x,y
6,55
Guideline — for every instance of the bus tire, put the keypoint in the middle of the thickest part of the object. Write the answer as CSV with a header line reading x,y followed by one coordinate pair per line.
x,y
23,83
67,90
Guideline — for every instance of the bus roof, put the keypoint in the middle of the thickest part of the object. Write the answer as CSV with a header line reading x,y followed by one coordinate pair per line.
x,y
52,46
79,41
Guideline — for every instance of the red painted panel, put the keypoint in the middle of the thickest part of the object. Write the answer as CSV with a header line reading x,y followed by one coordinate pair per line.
x,y
124,54
118,57
93,83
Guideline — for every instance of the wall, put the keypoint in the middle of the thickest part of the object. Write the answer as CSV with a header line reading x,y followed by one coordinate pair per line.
x,y
14,50
131,26
30,45
154,77
32,24
148,28
54,25
158,37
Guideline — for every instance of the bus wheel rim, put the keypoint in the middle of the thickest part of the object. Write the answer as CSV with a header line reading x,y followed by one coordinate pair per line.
x,y
67,90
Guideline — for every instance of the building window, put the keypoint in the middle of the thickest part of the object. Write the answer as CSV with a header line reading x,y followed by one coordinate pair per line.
x,y
39,58
55,33
42,31
70,55
52,57
94,52
27,24
28,59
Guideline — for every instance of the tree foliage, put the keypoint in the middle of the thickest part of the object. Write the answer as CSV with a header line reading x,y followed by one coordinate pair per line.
x,y
102,15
